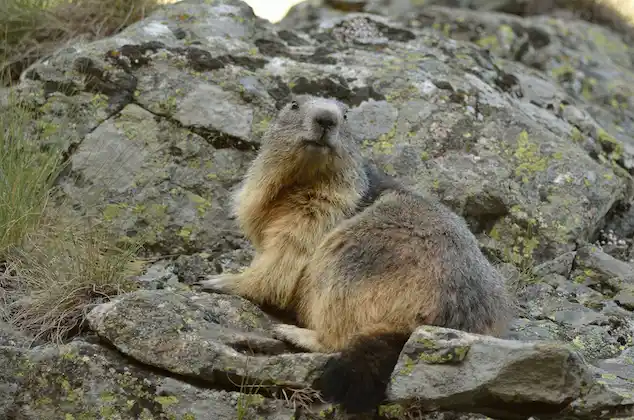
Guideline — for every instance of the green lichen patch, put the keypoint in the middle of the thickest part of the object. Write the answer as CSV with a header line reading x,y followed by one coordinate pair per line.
x,y
528,157
449,355
112,211
85,382
403,94
384,145
392,411
612,148
408,365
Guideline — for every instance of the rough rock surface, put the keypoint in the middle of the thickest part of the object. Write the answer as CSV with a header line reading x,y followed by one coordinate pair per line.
x,y
206,337
172,108
82,380
522,123
442,368
10,336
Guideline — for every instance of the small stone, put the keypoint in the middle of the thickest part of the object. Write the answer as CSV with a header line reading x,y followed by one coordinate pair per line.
x,y
625,298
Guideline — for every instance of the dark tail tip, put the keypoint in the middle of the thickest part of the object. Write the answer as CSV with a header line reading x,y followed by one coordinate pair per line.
x,y
357,380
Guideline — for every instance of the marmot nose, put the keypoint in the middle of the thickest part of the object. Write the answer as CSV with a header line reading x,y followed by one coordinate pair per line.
x,y
326,120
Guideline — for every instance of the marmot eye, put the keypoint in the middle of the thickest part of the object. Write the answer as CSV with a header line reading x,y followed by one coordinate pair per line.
x,y
294,105
345,116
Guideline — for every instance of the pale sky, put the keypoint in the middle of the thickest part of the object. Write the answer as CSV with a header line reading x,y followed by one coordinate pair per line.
x,y
273,10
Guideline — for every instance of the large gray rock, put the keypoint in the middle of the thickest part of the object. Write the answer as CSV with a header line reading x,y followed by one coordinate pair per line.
x,y
212,338
81,380
446,369
603,12
186,100
178,344
574,299
591,262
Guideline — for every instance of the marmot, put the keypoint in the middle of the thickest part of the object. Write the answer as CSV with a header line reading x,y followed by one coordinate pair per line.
x,y
361,260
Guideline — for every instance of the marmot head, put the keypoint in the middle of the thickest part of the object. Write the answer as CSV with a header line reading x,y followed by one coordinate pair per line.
x,y
309,141
310,124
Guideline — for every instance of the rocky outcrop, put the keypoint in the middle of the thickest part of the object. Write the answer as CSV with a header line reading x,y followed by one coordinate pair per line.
x,y
521,124
10,336
441,368
613,14
166,123
85,380
189,355
204,337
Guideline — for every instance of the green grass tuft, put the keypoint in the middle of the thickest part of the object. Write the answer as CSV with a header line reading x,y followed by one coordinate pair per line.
x,y
27,174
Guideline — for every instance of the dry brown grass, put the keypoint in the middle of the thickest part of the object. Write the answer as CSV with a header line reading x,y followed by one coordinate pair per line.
x,y
61,272
30,29
53,267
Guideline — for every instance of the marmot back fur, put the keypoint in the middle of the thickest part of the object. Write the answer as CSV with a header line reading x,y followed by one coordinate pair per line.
x,y
360,260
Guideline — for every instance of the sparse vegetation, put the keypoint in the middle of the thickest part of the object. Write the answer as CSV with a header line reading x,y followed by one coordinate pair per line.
x,y
53,266
30,29
27,174
62,270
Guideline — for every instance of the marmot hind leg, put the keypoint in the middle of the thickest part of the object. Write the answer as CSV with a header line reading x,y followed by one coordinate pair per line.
x,y
303,338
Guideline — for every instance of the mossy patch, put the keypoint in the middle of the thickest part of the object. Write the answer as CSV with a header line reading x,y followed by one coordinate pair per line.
x,y
250,319
449,355
409,365
63,388
489,42
384,144
529,158
201,204
167,400
392,411
186,232
247,403
260,127
522,241
112,211
564,72
576,135
613,149
403,94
